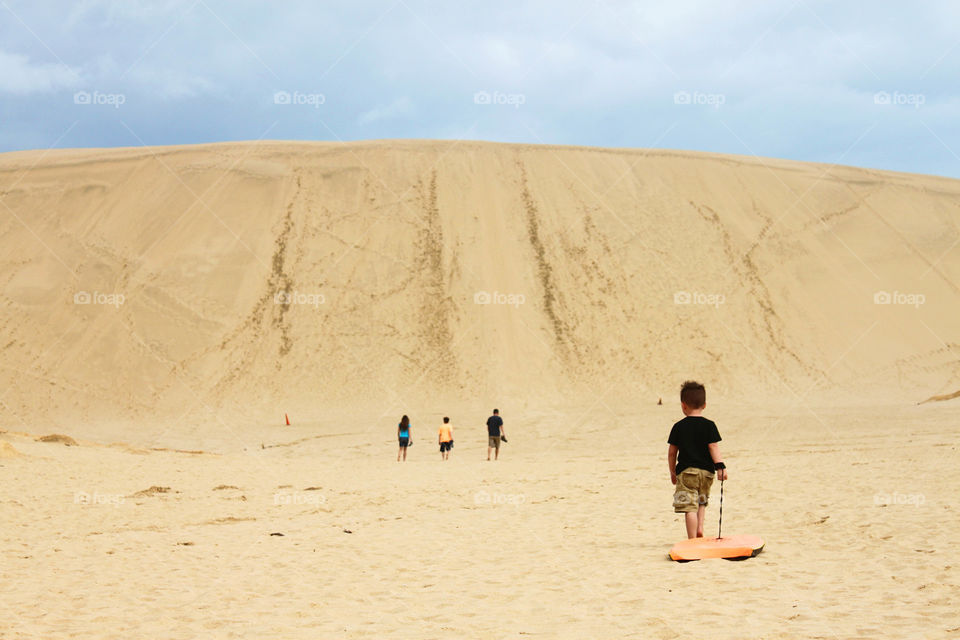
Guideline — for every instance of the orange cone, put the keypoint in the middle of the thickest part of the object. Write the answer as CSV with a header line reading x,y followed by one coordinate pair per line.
x,y
288,419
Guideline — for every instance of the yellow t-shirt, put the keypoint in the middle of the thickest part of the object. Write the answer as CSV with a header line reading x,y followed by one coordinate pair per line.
x,y
446,433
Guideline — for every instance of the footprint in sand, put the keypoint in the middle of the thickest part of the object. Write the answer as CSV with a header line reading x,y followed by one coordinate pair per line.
x,y
58,437
152,491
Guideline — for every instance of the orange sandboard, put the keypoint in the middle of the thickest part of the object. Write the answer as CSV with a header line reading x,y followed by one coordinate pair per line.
x,y
730,547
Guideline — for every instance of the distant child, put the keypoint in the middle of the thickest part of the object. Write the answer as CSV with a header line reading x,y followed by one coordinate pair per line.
x,y
445,438
695,440
403,434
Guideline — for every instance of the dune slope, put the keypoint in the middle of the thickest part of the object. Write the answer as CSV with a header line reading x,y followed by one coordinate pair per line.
x,y
143,284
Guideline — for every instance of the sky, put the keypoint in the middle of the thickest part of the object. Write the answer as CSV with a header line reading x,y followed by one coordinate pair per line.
x,y
870,84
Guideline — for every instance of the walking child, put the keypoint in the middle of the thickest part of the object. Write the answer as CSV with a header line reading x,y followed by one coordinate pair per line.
x,y
694,457
404,437
445,438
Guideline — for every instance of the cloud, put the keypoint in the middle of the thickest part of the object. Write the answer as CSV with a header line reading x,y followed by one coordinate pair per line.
x,y
169,84
20,76
797,79
123,12
399,108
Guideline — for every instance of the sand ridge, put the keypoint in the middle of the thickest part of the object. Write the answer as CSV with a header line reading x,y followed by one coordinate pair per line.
x,y
235,281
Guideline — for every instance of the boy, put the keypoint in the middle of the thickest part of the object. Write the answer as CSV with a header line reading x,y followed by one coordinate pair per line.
x,y
693,456
445,437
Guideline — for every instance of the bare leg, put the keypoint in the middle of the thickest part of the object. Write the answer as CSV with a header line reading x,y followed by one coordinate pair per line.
x,y
701,516
404,454
690,518
496,453
399,451
489,449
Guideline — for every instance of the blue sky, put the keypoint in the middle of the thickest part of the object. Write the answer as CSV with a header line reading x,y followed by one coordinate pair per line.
x,y
866,84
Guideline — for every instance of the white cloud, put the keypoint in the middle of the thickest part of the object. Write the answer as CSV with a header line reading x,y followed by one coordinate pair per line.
x,y
798,78
124,12
21,76
398,108
169,84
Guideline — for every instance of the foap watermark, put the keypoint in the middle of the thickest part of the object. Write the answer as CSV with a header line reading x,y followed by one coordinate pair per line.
x,y
486,497
299,498
898,297
898,98
97,498
715,100
299,98
695,297
911,499
98,98
111,299
498,98
512,299
296,297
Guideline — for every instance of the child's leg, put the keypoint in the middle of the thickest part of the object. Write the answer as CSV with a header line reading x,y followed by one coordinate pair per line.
x,y
701,516
690,519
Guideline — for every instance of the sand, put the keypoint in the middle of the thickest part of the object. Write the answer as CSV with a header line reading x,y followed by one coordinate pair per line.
x,y
565,536
238,281
152,489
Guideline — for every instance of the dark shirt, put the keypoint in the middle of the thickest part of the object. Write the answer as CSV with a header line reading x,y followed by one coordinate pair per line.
x,y
493,425
692,435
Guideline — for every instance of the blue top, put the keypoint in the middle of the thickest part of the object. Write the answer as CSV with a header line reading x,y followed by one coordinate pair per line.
x,y
405,433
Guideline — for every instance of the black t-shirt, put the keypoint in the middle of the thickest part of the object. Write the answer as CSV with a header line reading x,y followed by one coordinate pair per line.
x,y
692,435
493,425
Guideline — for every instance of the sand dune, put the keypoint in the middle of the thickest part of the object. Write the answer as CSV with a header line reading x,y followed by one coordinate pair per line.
x,y
245,279
164,308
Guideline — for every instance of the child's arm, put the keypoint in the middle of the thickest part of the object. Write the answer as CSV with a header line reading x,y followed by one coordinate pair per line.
x,y
715,455
672,451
